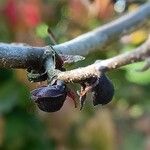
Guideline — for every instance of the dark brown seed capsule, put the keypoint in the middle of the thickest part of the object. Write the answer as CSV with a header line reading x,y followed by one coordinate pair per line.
x,y
103,92
50,98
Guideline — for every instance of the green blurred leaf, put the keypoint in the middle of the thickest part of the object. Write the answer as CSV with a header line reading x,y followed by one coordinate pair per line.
x,y
133,140
4,31
132,75
5,75
13,94
8,97
41,30
25,131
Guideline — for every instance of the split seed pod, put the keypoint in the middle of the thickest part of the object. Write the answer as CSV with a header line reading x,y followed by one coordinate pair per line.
x,y
103,92
50,98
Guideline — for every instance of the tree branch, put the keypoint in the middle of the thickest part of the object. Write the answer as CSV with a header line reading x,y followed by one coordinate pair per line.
x,y
22,56
100,37
139,54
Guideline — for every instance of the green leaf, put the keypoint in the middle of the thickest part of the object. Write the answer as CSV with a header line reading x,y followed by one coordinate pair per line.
x,y
41,30
25,131
132,75
13,94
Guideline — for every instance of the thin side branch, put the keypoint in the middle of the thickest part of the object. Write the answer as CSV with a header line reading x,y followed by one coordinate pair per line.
x,y
139,54
22,56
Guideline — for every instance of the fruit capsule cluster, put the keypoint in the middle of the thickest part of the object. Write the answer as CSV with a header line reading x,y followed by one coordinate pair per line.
x,y
51,98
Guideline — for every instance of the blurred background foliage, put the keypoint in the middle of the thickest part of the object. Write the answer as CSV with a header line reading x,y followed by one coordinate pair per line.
x,y
122,124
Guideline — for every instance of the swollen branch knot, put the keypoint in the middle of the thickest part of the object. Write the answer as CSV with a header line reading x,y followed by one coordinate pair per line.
x,y
41,73
51,64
